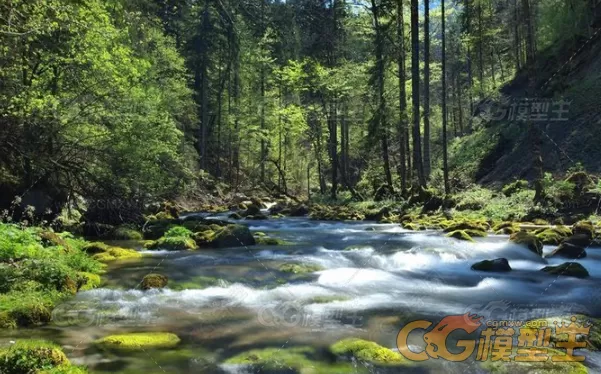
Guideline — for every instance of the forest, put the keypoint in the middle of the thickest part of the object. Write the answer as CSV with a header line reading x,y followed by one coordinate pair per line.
x,y
214,164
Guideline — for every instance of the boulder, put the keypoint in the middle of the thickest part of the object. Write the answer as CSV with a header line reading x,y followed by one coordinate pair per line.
x,y
299,211
154,281
528,240
568,269
568,250
499,264
251,210
233,236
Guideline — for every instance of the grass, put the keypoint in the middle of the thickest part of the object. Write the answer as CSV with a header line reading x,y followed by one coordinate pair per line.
x,y
38,269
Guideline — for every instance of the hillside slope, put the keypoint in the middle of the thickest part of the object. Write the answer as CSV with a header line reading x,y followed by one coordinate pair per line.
x,y
572,75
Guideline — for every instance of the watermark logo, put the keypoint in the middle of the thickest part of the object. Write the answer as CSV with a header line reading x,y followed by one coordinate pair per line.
x,y
528,109
496,341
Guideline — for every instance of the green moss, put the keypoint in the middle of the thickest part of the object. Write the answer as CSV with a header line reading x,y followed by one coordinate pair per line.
x,y
367,351
139,341
126,232
117,253
547,367
461,235
300,268
178,232
154,281
31,356
528,240
553,236
88,281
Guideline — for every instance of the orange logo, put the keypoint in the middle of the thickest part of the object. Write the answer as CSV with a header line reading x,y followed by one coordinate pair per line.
x,y
436,338
496,341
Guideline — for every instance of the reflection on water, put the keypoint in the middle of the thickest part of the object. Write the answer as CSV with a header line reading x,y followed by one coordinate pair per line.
x,y
374,278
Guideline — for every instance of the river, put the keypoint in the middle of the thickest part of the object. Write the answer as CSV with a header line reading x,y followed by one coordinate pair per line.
x,y
374,279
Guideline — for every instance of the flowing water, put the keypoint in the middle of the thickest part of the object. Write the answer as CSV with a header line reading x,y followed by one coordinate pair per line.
x,y
375,278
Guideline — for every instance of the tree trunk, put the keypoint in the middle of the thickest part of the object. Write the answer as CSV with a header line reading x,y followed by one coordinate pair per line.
x,y
427,163
417,154
445,167
381,124
402,127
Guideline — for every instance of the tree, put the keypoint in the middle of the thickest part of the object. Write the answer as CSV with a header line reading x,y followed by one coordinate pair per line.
x,y
445,156
417,154
427,162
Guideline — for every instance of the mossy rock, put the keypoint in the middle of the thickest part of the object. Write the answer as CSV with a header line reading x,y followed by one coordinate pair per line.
x,y
506,228
173,243
367,351
117,253
568,269
139,341
289,360
584,227
31,313
300,268
95,248
467,225
235,216
233,236
157,228
195,226
553,236
547,367
265,240
126,232
570,248
87,281
151,281
32,356
528,240
460,234
499,264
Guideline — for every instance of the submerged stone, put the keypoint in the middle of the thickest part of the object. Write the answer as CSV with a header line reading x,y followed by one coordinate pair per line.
x,y
568,269
139,341
300,268
154,281
499,264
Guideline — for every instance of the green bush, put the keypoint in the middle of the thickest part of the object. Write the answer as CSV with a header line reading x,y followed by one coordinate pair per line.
x,y
178,231
32,356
